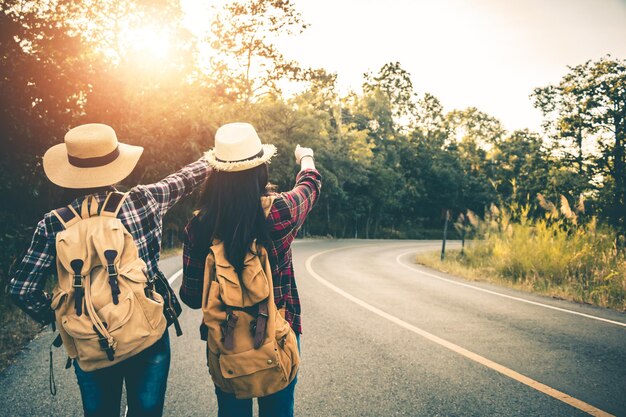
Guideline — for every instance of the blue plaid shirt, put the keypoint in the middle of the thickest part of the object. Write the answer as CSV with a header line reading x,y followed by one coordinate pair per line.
x,y
142,215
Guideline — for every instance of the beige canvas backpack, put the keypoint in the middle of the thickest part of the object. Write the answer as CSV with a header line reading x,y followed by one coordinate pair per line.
x,y
106,308
252,350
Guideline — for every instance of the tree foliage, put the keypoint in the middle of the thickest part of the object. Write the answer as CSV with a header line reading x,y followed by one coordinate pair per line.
x,y
587,114
248,63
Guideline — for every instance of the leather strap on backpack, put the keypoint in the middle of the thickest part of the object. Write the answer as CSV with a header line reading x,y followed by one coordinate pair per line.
x,y
229,328
67,216
78,283
261,324
89,207
113,203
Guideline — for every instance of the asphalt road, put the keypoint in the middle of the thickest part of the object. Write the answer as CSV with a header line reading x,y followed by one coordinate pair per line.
x,y
385,337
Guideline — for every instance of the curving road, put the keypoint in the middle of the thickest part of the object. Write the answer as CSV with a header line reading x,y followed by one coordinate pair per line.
x,y
386,337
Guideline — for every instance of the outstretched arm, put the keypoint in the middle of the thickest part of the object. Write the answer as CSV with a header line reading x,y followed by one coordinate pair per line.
x,y
292,207
172,188
27,284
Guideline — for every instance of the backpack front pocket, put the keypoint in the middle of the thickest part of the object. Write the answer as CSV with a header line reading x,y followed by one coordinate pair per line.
x,y
253,372
213,362
122,322
152,306
58,296
250,289
289,355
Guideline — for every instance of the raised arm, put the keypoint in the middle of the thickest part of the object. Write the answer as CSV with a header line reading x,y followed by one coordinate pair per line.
x,y
172,188
27,284
292,207
304,157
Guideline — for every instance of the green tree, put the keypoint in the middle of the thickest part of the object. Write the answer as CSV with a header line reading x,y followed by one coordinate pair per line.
x,y
248,63
394,82
589,104
521,167
474,128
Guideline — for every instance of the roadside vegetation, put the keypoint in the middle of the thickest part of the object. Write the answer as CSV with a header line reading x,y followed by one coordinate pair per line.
x,y
16,329
562,253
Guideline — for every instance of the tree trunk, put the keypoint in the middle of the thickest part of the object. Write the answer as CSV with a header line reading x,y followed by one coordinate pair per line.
x,y
377,227
579,144
445,235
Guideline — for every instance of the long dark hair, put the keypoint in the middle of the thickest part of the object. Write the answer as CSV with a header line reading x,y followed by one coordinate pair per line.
x,y
230,210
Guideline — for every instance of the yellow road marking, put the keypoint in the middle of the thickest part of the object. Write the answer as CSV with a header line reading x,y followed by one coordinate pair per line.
x,y
561,396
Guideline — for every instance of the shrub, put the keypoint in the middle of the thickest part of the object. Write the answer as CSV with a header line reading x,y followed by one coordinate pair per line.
x,y
559,250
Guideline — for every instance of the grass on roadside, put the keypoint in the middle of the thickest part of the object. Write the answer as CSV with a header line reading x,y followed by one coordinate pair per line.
x,y
174,251
16,330
455,264
561,254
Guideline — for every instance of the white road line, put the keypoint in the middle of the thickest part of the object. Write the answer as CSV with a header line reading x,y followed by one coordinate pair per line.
x,y
561,396
522,300
175,276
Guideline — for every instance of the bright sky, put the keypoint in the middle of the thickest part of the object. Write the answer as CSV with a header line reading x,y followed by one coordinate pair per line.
x,y
484,53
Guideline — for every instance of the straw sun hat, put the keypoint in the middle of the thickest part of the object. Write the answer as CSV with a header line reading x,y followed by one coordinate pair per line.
x,y
90,157
237,148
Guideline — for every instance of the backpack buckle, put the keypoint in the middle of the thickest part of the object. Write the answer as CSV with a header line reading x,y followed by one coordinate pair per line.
x,y
78,281
108,345
229,328
112,270
110,256
260,324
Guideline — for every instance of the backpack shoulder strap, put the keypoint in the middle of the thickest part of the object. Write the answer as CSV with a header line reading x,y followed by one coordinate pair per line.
x,y
89,207
217,252
209,265
67,216
113,203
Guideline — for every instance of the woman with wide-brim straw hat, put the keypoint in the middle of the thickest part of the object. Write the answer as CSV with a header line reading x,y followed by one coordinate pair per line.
x,y
91,161
236,208
90,157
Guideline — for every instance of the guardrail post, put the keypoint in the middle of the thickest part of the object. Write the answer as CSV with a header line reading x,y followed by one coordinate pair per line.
x,y
445,234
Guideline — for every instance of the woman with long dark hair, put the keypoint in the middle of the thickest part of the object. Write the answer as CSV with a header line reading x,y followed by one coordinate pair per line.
x,y
238,208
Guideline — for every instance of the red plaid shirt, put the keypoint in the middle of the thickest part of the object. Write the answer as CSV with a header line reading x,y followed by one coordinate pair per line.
x,y
286,216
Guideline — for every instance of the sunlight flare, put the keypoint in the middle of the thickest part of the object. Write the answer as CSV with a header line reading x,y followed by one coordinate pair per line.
x,y
147,42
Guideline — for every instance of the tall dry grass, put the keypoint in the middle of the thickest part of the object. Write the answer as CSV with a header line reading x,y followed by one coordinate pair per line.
x,y
561,252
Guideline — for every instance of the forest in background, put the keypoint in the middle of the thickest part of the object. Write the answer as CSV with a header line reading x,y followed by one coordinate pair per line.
x,y
393,161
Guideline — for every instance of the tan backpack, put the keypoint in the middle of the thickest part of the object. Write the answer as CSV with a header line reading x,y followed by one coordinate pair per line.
x,y
106,308
252,349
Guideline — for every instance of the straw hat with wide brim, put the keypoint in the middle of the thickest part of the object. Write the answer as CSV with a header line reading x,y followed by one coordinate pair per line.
x,y
237,148
90,157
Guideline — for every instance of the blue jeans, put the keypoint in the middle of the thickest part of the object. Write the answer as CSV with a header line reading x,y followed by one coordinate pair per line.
x,y
279,404
146,381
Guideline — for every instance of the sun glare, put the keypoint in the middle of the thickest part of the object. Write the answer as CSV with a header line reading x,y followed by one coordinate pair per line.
x,y
198,15
147,42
